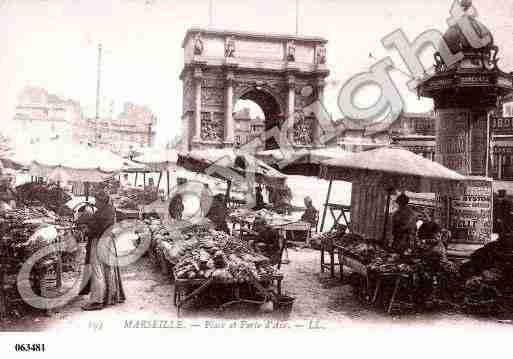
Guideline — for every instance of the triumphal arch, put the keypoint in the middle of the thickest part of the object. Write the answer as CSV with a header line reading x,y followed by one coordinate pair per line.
x,y
282,74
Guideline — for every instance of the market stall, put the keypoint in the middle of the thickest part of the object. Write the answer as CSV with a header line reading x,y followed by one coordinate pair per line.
x,y
231,166
307,163
234,167
376,175
23,231
34,222
159,160
213,268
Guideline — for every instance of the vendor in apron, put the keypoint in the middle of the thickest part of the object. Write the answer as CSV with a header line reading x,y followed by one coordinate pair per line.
x,y
404,225
104,285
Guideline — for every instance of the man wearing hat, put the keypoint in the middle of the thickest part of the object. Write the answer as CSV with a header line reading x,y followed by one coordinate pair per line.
x,y
404,225
104,286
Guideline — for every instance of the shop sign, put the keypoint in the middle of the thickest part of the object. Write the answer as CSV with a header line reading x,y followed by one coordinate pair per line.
x,y
438,84
471,215
475,80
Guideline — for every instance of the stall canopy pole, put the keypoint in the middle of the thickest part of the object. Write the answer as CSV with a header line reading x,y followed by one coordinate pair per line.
x,y
144,179
86,189
326,205
227,195
387,212
158,182
135,181
167,174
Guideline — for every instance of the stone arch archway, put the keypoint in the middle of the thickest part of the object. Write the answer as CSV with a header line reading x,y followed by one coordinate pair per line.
x,y
273,107
268,69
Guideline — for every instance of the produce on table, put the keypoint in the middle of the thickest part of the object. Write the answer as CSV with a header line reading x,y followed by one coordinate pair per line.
x,y
124,203
222,257
139,196
392,263
51,196
18,225
199,252
244,215
328,239
110,185
23,231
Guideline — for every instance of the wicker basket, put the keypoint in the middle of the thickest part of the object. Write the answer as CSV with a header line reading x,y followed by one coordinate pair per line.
x,y
284,304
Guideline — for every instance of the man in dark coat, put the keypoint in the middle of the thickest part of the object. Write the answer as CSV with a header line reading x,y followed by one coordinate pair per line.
x,y
96,225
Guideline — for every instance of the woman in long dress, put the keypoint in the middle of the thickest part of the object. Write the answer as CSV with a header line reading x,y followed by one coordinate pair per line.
x,y
106,287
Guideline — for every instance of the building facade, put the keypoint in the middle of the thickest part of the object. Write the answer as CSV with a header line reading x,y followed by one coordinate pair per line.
x,y
40,115
247,129
131,130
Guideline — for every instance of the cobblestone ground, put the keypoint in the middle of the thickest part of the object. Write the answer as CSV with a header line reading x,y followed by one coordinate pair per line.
x,y
150,296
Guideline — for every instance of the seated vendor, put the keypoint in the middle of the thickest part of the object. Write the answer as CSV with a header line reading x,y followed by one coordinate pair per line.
x,y
218,213
265,239
439,277
311,215
432,250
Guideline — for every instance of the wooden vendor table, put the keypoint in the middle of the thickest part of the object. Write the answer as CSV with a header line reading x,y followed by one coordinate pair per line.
x,y
372,282
187,290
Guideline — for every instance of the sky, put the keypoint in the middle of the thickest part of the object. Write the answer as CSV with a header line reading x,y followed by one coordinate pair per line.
x,y
53,44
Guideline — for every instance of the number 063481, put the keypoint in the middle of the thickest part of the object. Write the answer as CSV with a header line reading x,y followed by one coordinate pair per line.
x,y
29,347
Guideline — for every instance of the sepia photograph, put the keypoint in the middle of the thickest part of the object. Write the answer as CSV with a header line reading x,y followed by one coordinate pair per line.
x,y
295,168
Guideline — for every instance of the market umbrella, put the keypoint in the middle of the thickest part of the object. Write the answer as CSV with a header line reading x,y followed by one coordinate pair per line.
x,y
60,161
302,161
394,168
231,165
159,159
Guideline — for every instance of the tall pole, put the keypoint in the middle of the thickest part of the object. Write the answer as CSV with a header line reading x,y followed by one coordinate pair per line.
x,y
210,13
98,81
297,17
